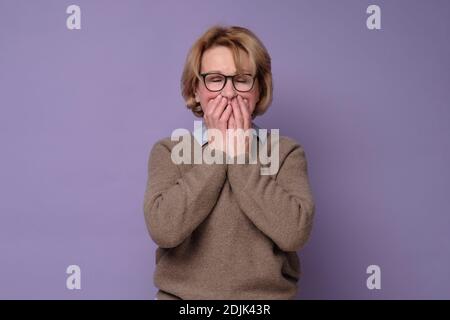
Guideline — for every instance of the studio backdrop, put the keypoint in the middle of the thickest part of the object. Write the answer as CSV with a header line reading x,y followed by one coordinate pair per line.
x,y
87,88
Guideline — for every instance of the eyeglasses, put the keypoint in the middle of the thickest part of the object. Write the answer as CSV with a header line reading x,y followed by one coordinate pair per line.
x,y
217,81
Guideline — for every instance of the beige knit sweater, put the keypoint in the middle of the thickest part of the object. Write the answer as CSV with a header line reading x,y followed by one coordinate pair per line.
x,y
225,231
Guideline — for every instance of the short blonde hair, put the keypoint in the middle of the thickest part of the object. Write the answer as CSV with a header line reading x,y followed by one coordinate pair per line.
x,y
235,38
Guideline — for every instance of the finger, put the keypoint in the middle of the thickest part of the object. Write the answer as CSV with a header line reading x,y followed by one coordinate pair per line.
x,y
231,122
245,113
226,113
219,108
212,104
237,114
209,107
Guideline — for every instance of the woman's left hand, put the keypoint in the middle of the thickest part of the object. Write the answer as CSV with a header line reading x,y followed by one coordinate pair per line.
x,y
241,119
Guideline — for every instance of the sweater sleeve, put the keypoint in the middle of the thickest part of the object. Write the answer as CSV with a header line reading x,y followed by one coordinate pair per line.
x,y
175,205
282,207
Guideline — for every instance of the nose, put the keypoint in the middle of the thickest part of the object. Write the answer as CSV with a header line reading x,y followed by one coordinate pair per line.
x,y
228,91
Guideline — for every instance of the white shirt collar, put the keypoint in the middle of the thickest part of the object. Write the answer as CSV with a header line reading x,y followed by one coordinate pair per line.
x,y
201,136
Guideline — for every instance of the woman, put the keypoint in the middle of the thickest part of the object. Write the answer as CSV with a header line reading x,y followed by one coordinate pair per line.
x,y
224,230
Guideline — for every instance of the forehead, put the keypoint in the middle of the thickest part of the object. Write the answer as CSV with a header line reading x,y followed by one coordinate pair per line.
x,y
221,59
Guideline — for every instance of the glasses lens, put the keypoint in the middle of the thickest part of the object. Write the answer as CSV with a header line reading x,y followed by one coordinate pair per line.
x,y
243,82
214,82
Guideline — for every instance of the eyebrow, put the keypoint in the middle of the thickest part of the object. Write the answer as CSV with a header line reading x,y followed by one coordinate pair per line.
x,y
217,71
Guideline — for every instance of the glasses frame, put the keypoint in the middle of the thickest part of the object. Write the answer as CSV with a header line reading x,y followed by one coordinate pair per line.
x,y
203,75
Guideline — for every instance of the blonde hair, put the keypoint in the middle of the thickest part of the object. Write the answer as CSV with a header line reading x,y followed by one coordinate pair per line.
x,y
235,38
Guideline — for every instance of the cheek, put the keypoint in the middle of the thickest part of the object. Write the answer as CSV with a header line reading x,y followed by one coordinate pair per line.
x,y
204,100
205,96
252,99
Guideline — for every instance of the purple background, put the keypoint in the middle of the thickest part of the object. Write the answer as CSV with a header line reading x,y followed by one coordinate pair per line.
x,y
81,109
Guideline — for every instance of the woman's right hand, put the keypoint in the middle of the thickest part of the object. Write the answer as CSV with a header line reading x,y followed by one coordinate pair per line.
x,y
216,116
